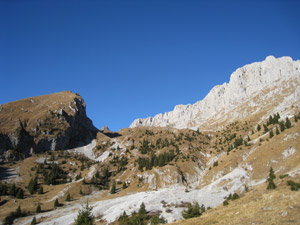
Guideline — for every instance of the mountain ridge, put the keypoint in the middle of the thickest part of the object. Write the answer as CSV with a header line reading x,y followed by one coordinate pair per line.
x,y
165,168
244,84
47,122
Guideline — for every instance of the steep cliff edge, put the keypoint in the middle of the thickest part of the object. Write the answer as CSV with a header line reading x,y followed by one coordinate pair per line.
x,y
264,85
48,122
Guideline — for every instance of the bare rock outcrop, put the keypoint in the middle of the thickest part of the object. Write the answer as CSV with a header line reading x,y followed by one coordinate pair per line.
x,y
255,85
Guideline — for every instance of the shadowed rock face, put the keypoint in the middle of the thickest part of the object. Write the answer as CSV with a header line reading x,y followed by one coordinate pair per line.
x,y
49,122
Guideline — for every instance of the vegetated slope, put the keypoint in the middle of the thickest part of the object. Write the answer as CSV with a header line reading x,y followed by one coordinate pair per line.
x,y
168,168
197,159
49,122
268,84
207,168
258,206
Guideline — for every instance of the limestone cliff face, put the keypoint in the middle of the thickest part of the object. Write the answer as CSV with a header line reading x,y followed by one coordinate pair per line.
x,y
49,122
245,94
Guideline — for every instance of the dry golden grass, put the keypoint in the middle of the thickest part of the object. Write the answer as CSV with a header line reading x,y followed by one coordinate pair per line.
x,y
259,206
31,111
252,208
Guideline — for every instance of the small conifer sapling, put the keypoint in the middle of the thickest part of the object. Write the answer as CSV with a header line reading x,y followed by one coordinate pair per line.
x,y
113,188
271,184
68,198
85,216
33,221
277,131
38,208
56,203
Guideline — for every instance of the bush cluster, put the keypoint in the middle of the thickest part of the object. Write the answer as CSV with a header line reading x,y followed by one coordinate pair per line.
x,y
294,186
140,218
193,210
154,161
12,191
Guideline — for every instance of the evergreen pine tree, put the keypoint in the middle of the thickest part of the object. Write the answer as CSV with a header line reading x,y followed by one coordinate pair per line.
x,y
271,134
202,208
277,131
288,123
92,180
192,211
161,161
136,219
235,196
124,185
97,175
123,220
196,210
12,190
85,216
113,188
20,193
56,203
38,208
157,220
258,127
229,197
275,119
266,129
3,189
32,185
225,203
270,120
216,163
81,167
68,198
282,126
78,177
271,184
40,191
18,211
142,212
33,221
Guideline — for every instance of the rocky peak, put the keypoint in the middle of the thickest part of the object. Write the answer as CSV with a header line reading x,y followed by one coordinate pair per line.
x,y
104,128
245,85
48,122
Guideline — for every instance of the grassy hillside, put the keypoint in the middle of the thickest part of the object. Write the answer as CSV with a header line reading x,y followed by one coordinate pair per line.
x,y
234,159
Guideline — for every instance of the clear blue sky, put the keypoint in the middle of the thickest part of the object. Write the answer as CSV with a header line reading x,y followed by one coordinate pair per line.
x,y
133,58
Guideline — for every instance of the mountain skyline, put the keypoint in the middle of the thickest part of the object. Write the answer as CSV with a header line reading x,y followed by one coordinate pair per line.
x,y
235,99
118,172
136,59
